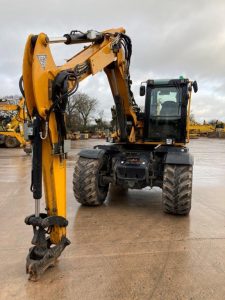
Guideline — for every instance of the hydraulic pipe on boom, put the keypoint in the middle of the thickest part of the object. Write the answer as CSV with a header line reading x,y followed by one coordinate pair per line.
x,y
47,89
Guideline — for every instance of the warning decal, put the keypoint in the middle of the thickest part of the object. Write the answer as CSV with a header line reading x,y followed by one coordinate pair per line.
x,y
42,60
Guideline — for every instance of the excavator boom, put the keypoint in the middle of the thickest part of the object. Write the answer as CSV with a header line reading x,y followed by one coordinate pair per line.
x,y
47,89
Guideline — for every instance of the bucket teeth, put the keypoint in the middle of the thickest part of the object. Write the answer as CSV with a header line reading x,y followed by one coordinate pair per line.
x,y
39,259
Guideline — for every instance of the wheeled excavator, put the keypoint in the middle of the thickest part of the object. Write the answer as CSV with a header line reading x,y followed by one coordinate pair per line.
x,y
150,146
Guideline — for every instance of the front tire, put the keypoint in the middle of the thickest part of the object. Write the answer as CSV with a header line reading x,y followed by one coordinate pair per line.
x,y
88,190
11,142
177,189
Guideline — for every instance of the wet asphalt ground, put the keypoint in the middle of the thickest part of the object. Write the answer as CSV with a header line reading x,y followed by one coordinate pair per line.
x,y
127,248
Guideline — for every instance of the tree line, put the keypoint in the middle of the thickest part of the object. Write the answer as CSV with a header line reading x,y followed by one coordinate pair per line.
x,y
82,113
81,110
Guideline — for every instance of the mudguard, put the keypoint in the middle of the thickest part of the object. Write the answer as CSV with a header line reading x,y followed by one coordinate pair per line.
x,y
179,158
92,153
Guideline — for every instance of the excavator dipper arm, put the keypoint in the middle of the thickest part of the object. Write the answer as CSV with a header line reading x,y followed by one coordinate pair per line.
x,y
47,88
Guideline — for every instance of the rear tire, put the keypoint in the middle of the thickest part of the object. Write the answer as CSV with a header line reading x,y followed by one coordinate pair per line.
x,y
11,142
177,189
86,184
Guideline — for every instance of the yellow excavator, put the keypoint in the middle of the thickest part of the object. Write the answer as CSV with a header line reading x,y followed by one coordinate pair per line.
x,y
12,127
150,146
196,129
216,130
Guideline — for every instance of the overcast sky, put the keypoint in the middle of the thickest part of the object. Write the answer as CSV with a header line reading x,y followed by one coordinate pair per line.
x,y
170,38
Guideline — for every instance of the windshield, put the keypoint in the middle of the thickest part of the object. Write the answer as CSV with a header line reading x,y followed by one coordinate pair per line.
x,y
165,103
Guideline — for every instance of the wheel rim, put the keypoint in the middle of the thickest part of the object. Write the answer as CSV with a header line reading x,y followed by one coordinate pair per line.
x,y
11,142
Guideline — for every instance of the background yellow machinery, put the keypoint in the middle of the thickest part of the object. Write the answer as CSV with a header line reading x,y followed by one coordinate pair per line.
x,y
206,130
12,130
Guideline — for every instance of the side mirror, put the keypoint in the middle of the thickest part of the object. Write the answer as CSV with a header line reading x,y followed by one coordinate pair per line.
x,y
195,86
142,90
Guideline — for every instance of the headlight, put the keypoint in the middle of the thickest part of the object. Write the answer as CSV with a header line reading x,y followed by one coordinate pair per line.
x,y
169,141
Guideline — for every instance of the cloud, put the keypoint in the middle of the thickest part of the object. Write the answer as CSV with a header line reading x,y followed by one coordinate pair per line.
x,y
170,38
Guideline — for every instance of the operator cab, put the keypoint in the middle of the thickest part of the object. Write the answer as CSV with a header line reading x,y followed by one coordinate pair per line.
x,y
166,109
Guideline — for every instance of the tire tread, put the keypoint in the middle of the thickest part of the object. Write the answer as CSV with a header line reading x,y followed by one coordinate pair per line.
x,y
177,189
85,182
